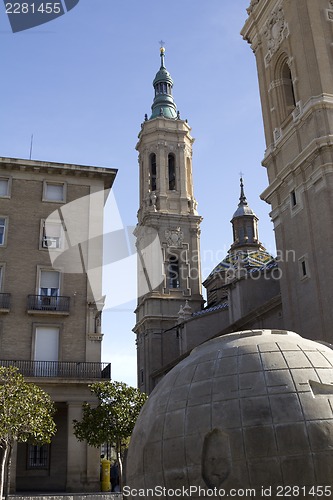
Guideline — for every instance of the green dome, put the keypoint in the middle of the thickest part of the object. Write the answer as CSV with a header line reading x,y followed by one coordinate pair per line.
x,y
164,104
163,75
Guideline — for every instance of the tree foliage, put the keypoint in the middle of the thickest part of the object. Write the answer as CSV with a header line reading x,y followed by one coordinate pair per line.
x,y
26,414
113,419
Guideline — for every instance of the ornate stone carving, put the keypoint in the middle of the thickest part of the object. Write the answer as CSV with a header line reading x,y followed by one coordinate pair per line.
x,y
277,134
98,322
95,337
174,237
153,200
188,151
275,31
193,204
181,316
297,111
196,231
252,6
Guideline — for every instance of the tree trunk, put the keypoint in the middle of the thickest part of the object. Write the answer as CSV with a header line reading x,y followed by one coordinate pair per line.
x,y
8,469
4,453
120,466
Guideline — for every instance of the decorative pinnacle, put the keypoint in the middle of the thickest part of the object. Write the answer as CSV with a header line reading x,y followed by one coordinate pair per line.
x,y
162,52
242,197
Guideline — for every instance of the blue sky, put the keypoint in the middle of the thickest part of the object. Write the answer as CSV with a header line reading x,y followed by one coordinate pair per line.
x,y
83,82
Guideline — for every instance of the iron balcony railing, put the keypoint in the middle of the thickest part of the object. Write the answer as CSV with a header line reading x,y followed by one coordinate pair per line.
x,y
48,303
4,300
63,369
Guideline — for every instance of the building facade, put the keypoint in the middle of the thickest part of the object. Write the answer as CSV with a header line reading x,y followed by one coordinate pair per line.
x,y
292,43
51,218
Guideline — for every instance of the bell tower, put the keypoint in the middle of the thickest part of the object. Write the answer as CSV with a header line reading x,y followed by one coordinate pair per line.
x,y
167,233
292,43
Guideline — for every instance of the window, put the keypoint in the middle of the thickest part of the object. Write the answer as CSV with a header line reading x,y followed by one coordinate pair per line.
x,y
288,88
46,350
285,92
3,230
163,88
38,456
5,185
173,272
49,290
171,172
4,297
46,343
54,192
153,172
52,235
303,267
49,283
295,200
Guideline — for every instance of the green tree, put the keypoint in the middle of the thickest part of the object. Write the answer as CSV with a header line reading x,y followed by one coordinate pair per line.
x,y
113,419
26,414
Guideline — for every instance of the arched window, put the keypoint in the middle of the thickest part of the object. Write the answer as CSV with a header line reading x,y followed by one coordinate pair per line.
x,y
286,101
249,231
288,88
153,172
241,234
172,172
173,272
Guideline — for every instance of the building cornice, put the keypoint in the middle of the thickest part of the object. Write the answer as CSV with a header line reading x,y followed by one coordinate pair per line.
x,y
54,168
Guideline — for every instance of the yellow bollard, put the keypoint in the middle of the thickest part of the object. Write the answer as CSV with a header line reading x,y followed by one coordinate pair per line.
x,y
105,475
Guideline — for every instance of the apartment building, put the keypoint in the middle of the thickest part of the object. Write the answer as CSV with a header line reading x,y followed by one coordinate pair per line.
x,y
51,235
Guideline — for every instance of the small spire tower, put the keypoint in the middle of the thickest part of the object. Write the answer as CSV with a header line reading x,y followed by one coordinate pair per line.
x,y
245,224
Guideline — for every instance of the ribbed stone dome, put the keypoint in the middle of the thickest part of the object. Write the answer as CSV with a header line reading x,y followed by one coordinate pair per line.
x,y
247,410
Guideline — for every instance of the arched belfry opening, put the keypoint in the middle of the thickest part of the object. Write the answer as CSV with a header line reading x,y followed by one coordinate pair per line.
x,y
286,100
172,172
153,172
